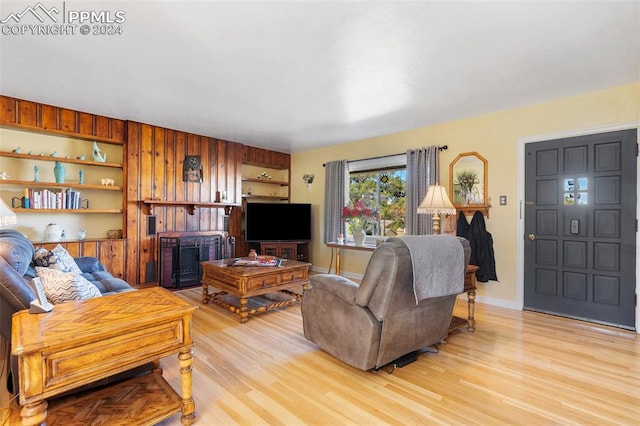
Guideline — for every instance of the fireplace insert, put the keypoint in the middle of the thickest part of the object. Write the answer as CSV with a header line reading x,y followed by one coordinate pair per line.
x,y
180,258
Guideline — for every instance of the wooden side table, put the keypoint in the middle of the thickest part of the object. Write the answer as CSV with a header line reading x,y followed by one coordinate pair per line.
x,y
347,246
81,342
470,288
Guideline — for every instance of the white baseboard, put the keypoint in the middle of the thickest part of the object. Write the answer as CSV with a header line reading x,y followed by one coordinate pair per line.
x,y
493,301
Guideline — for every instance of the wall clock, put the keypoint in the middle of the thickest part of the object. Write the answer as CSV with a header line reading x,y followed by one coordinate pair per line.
x,y
192,169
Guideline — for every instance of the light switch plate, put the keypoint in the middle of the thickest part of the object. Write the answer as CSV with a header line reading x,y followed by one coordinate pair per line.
x,y
503,200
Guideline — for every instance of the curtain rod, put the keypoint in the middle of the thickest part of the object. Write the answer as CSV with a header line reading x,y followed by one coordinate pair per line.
x,y
440,148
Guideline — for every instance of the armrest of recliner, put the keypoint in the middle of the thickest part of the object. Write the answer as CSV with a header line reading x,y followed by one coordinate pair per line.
x,y
340,286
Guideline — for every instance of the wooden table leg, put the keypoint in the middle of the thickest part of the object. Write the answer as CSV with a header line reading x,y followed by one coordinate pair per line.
x,y
337,261
244,312
205,293
471,296
34,414
188,405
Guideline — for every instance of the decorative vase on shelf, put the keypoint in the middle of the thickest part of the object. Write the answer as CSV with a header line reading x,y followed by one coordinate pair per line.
x,y
98,154
359,236
53,232
468,195
58,172
253,256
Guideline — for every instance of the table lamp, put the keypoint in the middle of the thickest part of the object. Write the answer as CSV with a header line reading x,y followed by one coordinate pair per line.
x,y
7,216
436,202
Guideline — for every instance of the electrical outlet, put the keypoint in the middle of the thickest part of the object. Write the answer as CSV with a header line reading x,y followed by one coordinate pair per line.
x,y
503,200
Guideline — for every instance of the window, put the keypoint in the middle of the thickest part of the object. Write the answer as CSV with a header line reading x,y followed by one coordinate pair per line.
x,y
380,183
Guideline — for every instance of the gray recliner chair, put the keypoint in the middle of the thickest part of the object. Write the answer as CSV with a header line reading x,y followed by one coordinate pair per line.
x,y
403,304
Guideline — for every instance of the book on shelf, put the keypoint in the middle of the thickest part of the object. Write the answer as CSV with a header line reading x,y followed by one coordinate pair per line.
x,y
66,199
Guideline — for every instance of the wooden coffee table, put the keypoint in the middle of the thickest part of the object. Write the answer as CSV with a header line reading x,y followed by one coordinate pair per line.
x,y
245,282
85,341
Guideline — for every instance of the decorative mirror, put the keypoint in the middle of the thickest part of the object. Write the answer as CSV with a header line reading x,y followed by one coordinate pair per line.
x,y
468,177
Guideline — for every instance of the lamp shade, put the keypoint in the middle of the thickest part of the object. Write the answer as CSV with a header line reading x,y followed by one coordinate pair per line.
x,y
436,201
7,216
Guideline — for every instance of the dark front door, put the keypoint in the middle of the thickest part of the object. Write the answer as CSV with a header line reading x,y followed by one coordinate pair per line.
x,y
580,227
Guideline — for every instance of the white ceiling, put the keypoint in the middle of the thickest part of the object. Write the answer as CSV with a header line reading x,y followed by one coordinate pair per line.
x,y
296,75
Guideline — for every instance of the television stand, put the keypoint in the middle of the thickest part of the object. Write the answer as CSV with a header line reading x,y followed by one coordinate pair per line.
x,y
293,250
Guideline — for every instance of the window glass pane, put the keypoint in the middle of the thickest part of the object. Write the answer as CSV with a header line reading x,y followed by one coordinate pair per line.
x,y
583,198
569,199
382,191
583,183
569,184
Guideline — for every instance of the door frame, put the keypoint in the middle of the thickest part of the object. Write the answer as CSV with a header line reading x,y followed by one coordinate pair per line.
x,y
520,194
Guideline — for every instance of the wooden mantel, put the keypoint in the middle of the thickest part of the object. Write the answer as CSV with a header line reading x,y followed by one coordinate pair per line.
x,y
190,205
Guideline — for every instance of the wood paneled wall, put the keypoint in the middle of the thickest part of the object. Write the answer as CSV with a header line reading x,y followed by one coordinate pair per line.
x,y
28,115
154,170
153,159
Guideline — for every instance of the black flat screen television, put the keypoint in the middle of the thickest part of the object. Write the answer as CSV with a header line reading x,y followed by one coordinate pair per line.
x,y
277,222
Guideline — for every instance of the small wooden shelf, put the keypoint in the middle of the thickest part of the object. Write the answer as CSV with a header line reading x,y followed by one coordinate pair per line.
x,y
75,240
69,211
471,209
190,205
153,398
59,185
256,184
266,181
60,159
266,197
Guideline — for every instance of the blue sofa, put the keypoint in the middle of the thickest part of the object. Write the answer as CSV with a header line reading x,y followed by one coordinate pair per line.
x,y
16,293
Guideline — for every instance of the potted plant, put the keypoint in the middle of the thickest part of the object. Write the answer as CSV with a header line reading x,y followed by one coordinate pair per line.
x,y
359,216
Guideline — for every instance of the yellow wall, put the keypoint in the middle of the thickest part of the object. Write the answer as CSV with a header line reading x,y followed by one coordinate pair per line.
x,y
495,136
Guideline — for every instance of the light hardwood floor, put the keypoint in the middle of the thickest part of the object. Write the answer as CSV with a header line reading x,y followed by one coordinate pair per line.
x,y
517,368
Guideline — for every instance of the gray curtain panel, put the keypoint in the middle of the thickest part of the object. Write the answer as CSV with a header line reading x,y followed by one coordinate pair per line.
x,y
336,189
422,171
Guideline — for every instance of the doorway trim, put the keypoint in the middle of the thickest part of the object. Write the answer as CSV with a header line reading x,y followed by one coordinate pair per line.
x,y
520,194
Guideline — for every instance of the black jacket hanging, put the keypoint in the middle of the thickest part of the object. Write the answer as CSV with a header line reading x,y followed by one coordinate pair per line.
x,y
481,245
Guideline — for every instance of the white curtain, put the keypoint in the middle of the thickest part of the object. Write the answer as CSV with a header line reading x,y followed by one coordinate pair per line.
x,y
335,196
422,171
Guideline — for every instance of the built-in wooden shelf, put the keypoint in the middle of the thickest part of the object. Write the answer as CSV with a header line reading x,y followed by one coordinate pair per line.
x,y
266,197
59,185
267,181
56,132
69,211
60,159
190,205
75,240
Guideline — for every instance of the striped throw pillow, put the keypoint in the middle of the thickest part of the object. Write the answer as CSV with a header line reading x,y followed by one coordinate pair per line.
x,y
60,286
